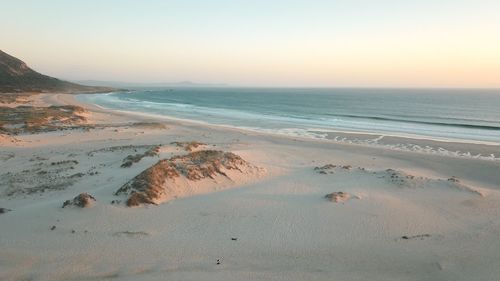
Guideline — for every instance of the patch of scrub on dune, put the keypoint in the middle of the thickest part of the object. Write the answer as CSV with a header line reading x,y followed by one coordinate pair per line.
x,y
188,145
5,156
340,197
18,98
131,234
82,200
331,169
41,176
401,178
150,125
121,148
30,119
172,178
134,158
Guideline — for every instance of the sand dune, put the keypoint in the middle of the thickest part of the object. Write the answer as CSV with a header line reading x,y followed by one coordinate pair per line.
x,y
181,176
399,215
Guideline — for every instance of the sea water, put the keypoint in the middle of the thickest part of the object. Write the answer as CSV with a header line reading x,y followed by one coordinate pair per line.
x,y
468,115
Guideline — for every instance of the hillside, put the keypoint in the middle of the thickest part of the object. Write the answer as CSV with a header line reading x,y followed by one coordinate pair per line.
x,y
16,76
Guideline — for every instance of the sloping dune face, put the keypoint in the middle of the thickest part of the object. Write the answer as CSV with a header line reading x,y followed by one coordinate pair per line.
x,y
181,176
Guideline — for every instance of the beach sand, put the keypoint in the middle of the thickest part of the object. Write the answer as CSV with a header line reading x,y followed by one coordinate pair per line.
x,y
402,215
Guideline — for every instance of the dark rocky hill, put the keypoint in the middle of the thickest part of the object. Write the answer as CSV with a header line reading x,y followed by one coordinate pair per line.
x,y
16,76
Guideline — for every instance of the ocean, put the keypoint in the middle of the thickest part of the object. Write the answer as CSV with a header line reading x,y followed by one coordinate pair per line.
x,y
464,115
445,114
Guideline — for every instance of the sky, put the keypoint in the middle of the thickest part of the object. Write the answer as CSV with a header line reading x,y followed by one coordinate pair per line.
x,y
308,43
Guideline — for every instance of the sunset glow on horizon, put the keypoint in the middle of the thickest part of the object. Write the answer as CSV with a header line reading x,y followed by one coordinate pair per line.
x,y
344,43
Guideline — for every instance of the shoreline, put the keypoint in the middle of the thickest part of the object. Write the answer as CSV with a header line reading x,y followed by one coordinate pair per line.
x,y
431,131
484,150
108,117
319,210
111,116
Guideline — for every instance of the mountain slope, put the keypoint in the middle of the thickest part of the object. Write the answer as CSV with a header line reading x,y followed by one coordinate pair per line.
x,y
16,76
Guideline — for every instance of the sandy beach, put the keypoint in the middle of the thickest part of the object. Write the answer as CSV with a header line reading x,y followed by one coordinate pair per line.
x,y
289,209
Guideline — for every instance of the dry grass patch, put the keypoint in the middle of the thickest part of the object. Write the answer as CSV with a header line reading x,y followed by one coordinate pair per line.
x,y
131,159
82,200
188,145
30,119
15,97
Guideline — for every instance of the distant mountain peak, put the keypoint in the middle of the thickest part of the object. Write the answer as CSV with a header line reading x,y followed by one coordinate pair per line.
x,y
121,84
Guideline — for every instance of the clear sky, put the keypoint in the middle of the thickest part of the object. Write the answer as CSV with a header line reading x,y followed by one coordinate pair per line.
x,y
394,43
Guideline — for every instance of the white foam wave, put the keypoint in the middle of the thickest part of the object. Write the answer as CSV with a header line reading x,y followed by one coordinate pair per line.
x,y
239,119
409,147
